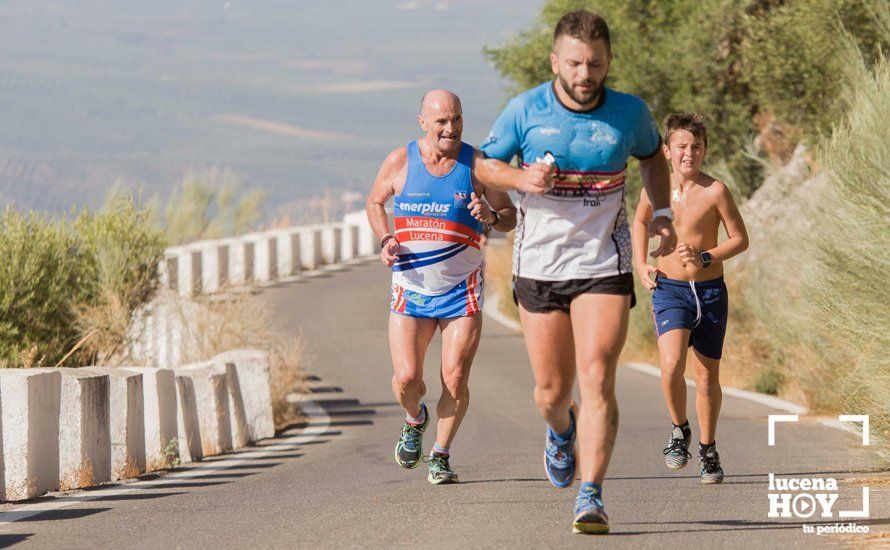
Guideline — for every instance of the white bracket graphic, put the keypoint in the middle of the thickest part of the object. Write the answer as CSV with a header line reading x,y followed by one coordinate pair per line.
x,y
857,514
773,418
863,418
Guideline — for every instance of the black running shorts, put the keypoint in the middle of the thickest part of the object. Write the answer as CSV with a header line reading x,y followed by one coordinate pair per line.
x,y
543,296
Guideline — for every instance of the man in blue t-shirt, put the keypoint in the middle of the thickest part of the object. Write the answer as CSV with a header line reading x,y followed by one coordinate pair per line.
x,y
572,260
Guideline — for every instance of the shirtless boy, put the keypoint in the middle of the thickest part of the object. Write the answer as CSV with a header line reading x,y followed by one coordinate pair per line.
x,y
689,299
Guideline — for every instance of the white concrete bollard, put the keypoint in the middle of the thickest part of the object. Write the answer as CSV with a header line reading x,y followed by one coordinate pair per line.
x,y
84,429
160,412
188,269
238,416
214,265
310,247
367,241
350,242
241,253
187,426
127,421
254,378
331,251
206,418
265,254
288,252
29,412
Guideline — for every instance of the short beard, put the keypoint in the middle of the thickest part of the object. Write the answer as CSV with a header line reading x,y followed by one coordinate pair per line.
x,y
594,93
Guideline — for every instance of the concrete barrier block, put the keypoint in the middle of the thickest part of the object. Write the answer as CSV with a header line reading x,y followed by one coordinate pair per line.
x,y
331,245
350,242
84,429
265,255
310,247
127,421
214,265
288,241
240,425
187,426
241,253
188,269
29,417
160,412
206,417
254,378
368,244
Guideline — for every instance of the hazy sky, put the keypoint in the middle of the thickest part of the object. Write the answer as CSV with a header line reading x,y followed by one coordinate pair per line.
x,y
294,96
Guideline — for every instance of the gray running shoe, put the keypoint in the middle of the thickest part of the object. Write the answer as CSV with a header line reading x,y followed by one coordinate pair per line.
x,y
440,470
409,447
676,454
711,471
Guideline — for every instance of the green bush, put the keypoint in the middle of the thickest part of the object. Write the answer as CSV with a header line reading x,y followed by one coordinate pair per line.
x,y
40,273
54,271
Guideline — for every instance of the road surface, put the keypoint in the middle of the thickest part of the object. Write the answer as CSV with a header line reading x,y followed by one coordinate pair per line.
x,y
332,482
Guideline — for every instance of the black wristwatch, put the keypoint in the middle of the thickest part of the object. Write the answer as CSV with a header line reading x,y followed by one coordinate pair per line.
x,y
706,258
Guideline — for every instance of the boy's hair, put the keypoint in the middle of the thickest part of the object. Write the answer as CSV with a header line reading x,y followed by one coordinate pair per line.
x,y
691,122
583,25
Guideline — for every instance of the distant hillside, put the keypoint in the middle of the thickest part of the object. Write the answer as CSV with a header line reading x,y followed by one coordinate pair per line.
x,y
301,99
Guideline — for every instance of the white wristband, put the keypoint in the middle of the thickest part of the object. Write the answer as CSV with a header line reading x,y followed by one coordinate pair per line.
x,y
663,213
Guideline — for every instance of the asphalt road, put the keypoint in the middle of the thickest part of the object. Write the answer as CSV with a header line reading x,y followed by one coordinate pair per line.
x,y
333,483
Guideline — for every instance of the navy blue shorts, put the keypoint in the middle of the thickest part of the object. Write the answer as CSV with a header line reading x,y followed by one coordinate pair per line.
x,y
699,306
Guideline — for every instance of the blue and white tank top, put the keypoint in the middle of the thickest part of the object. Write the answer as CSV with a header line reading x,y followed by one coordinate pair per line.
x,y
579,230
438,237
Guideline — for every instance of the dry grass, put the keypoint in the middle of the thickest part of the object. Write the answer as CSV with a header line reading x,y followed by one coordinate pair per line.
x,y
223,322
287,373
499,273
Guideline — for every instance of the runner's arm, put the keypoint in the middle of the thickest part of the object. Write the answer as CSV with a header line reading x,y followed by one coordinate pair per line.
x,y
392,169
496,174
657,183
737,241
500,202
639,235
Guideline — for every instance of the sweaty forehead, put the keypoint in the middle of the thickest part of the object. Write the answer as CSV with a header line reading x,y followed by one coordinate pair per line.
x,y
442,105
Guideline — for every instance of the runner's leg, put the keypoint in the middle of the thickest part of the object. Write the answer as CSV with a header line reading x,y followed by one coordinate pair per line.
x,y
708,396
548,338
460,339
409,338
672,348
599,323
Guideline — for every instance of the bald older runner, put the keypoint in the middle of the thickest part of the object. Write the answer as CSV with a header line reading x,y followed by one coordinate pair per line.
x,y
441,208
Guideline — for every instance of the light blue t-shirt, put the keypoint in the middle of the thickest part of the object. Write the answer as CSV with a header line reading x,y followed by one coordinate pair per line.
x,y
579,229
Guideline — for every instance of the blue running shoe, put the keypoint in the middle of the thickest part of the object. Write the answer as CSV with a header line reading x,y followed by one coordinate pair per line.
x,y
590,515
409,448
559,455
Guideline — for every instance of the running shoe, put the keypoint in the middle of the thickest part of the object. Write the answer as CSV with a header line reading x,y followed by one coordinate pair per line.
x,y
559,454
409,448
440,471
590,515
711,471
676,454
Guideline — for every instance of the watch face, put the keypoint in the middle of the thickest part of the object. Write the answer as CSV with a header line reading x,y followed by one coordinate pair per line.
x,y
706,258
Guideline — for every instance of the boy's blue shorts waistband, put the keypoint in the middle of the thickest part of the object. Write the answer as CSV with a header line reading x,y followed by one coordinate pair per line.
x,y
676,282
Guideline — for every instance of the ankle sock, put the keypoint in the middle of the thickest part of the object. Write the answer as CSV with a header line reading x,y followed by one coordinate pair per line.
x,y
591,487
420,419
439,450
685,429
703,449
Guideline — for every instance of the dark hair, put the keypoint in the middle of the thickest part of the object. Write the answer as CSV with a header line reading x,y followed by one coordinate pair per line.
x,y
691,122
584,26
